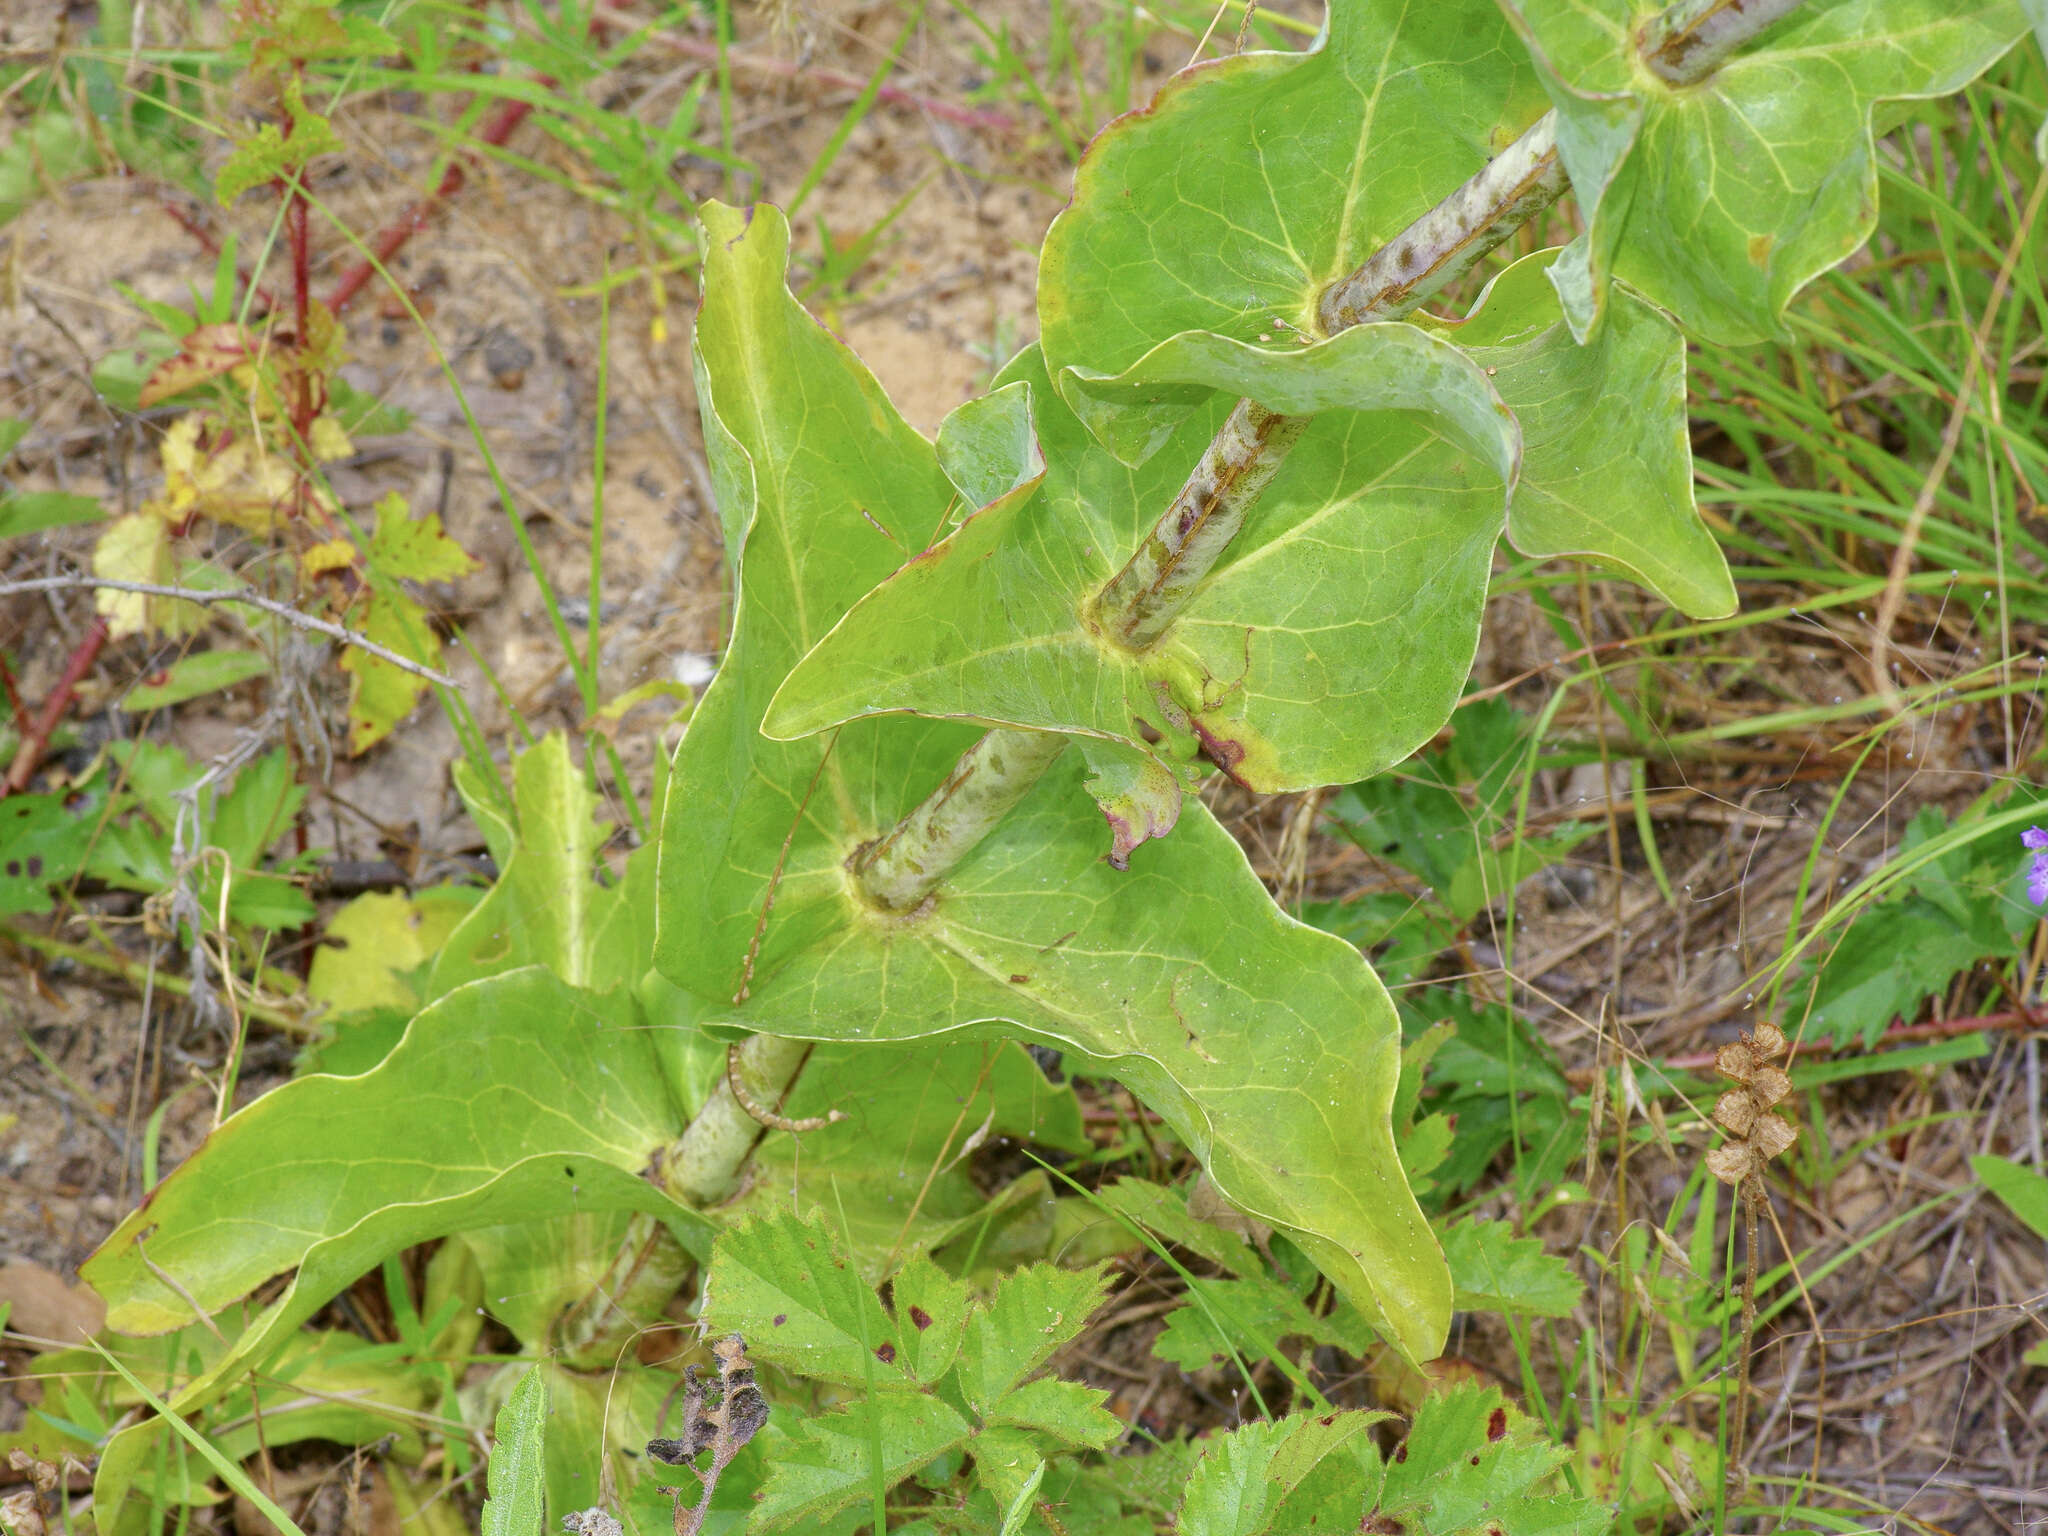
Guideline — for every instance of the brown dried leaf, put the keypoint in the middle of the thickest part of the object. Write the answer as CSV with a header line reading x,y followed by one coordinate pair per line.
x,y
1771,1135
204,354
1770,1085
1768,1042
1732,1163
1735,1060
1736,1112
46,1308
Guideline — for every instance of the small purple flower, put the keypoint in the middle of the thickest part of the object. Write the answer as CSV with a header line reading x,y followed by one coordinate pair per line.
x,y
2036,838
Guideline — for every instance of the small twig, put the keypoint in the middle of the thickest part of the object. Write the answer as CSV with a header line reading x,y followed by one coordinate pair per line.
x,y
269,605
1898,1033
760,1113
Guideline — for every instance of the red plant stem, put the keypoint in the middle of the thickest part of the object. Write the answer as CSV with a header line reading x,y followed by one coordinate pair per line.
x,y
13,696
496,130
35,737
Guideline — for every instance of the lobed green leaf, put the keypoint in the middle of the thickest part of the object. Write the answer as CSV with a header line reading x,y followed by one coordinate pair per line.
x,y
1270,1048
1721,200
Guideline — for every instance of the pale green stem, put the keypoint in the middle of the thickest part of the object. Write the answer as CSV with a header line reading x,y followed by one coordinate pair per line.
x,y
1686,42
902,868
703,1167
1143,599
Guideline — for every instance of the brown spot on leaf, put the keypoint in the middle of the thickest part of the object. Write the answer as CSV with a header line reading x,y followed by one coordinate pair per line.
x,y
1496,1424
920,1318
886,1354
781,1318
1760,249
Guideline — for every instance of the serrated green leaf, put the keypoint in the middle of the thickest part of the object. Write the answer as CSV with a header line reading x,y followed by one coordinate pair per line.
x,y
931,1318
1009,1467
517,1474
1284,1477
1246,1318
1719,201
891,1178
44,841
1472,1464
832,1459
270,153
1066,1410
1033,1312
39,511
1495,1271
1332,153
1270,1048
783,1283
987,446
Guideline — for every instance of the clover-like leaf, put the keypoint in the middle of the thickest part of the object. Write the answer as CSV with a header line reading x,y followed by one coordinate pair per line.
x,y
1270,1048
1332,153
837,1457
1720,200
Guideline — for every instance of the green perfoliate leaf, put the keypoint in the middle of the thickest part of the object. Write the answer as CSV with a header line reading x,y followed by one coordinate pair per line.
x,y
517,1474
799,1301
1331,154
1607,458
1269,1048
1720,200
1328,644
1392,367
833,1459
1495,1271
987,447
535,1100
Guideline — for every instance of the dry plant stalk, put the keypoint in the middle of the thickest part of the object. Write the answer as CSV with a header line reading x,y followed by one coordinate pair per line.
x,y
1756,1134
722,1429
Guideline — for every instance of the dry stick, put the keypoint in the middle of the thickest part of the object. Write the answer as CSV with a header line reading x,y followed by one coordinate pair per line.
x,y
903,867
1686,42
269,605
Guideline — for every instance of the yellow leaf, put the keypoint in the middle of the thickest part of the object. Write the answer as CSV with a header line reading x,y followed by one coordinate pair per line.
x,y
334,555
327,439
138,548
